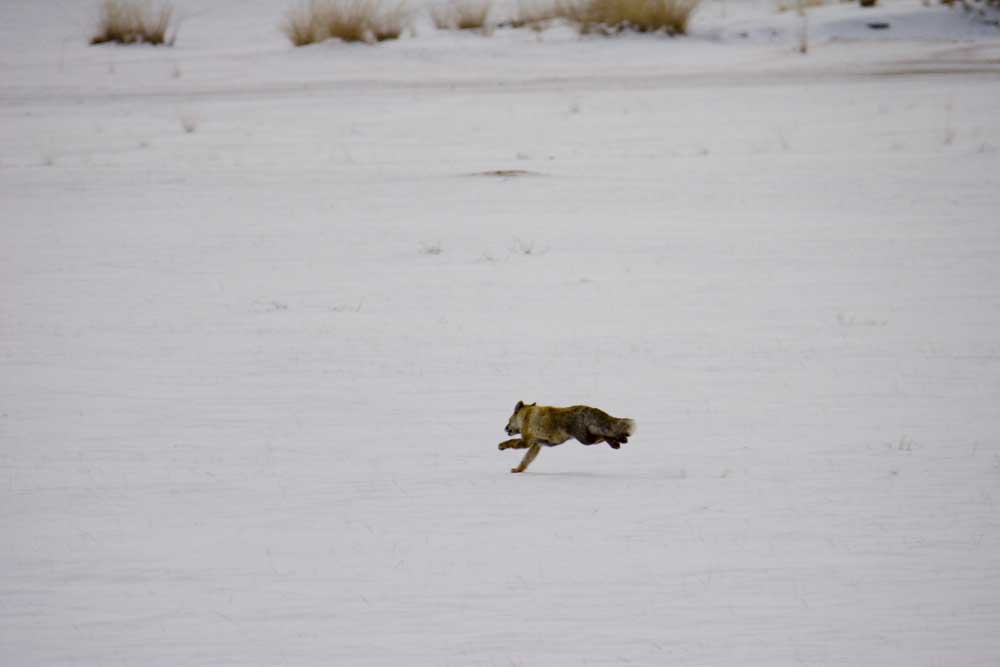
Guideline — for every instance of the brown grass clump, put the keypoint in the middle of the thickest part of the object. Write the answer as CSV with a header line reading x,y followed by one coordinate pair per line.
x,y
799,5
609,16
606,16
463,15
538,14
366,21
134,22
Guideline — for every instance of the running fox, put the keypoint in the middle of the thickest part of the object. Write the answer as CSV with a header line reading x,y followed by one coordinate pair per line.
x,y
543,425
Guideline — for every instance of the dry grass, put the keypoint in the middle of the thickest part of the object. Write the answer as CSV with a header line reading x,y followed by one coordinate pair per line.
x,y
601,16
367,21
610,16
538,14
796,5
377,20
463,15
134,22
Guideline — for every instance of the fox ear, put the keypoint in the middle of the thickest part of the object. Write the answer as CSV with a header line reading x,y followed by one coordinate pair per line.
x,y
533,404
520,404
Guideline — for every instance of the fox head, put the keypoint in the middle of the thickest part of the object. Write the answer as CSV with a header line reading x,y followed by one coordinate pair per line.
x,y
514,423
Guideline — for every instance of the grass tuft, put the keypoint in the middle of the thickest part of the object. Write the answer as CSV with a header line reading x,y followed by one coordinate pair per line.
x,y
463,15
366,21
596,16
538,14
798,5
611,16
134,22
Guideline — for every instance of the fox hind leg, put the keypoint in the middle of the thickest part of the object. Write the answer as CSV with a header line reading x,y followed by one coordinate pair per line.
x,y
529,456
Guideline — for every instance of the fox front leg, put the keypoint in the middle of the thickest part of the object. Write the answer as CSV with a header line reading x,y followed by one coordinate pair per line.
x,y
514,443
529,456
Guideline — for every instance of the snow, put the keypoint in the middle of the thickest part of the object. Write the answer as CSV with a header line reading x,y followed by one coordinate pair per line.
x,y
253,375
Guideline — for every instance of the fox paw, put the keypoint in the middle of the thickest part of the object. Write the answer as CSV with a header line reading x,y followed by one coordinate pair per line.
x,y
515,470
614,445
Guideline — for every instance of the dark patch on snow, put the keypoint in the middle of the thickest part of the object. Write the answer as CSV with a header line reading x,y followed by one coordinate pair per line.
x,y
506,173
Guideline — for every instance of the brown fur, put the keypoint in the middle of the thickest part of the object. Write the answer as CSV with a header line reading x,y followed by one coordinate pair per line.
x,y
541,425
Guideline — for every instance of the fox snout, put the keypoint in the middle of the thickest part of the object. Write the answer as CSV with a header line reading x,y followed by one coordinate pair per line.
x,y
509,430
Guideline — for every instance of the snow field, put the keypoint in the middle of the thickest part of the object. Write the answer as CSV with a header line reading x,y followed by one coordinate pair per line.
x,y
253,375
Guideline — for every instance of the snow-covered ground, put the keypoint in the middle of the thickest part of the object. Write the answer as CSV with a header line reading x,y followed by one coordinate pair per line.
x,y
265,311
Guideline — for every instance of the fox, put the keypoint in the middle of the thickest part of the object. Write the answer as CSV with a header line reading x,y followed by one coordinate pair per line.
x,y
545,425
